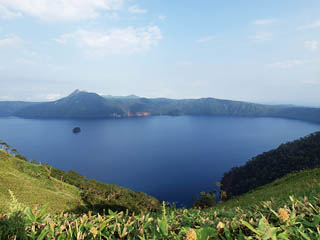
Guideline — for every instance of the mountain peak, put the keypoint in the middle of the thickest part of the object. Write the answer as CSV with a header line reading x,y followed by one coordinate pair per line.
x,y
75,92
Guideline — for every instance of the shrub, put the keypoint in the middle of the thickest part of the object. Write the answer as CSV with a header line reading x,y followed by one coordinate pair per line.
x,y
21,157
205,200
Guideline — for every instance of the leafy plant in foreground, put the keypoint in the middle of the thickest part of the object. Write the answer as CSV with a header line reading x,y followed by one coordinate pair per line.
x,y
298,218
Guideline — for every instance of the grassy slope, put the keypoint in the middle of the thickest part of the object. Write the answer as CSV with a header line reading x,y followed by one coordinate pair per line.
x,y
36,184
304,183
32,187
268,210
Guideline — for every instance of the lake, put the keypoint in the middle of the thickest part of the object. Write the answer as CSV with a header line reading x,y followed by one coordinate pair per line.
x,y
170,158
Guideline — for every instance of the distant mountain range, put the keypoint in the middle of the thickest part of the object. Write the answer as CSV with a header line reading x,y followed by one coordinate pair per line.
x,y
85,105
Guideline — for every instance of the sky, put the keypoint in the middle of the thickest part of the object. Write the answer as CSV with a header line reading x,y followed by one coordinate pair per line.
x,y
256,51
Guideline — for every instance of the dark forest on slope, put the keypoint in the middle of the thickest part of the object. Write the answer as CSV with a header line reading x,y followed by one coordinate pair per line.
x,y
287,158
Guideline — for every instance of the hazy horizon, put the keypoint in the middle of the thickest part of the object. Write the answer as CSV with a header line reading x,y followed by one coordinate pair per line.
x,y
130,95
262,52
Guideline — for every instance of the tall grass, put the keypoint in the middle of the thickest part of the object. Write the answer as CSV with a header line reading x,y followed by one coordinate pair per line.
x,y
296,217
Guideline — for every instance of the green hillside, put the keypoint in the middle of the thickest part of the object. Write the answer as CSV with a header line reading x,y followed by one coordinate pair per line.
x,y
35,185
30,183
288,208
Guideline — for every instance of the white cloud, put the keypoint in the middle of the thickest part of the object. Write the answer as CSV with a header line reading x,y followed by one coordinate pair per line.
x,y
43,97
7,98
206,39
162,17
116,41
112,16
262,36
58,9
34,60
286,64
26,62
313,25
311,82
6,13
54,67
51,96
184,63
265,21
312,45
135,9
10,41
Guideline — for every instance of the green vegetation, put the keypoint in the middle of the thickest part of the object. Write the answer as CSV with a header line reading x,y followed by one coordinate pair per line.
x,y
269,166
31,184
81,104
288,208
36,185
99,197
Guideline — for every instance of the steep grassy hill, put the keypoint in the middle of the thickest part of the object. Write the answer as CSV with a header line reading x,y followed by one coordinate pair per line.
x,y
288,208
35,185
30,183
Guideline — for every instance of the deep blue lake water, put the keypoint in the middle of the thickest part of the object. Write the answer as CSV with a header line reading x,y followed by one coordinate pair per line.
x,y
171,158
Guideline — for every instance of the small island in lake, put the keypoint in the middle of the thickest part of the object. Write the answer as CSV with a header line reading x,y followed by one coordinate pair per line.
x,y
76,130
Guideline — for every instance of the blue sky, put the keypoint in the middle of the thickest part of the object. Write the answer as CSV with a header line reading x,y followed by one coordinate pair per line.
x,y
259,51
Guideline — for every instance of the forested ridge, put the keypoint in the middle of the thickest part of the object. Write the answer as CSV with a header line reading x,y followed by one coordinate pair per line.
x,y
85,105
290,157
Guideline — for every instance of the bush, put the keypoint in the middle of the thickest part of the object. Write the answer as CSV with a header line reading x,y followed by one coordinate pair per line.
x,y
21,157
13,225
205,200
